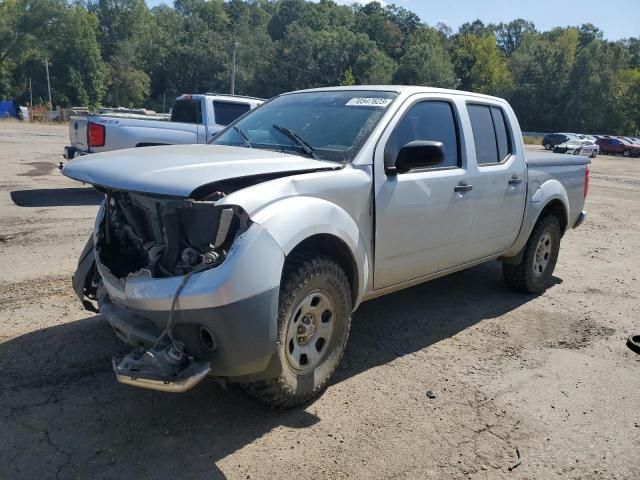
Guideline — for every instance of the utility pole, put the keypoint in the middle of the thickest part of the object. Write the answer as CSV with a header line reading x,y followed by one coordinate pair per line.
x,y
30,94
164,102
233,69
46,65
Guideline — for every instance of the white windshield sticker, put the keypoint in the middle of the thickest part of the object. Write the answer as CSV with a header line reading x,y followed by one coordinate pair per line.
x,y
368,102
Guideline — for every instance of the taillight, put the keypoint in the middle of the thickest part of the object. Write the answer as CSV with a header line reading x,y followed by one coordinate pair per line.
x,y
587,176
95,135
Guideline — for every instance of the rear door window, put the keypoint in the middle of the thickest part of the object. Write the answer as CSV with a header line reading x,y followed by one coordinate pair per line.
x,y
227,112
502,135
490,134
186,111
484,135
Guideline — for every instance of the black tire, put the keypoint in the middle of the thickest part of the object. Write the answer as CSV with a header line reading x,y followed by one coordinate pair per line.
x,y
633,342
594,154
522,277
548,146
304,275
626,153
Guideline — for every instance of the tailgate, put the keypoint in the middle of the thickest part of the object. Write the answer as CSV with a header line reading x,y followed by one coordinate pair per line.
x,y
78,132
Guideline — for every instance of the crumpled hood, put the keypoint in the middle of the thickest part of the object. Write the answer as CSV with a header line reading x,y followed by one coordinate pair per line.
x,y
179,169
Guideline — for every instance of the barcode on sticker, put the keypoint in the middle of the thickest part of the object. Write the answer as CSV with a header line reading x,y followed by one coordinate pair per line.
x,y
368,102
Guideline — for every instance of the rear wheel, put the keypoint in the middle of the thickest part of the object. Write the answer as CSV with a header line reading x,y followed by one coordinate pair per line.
x,y
594,154
536,267
314,318
547,146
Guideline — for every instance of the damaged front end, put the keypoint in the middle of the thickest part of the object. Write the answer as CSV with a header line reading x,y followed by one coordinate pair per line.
x,y
165,236
153,237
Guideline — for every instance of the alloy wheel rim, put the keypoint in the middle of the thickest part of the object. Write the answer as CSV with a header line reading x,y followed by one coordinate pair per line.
x,y
542,254
309,332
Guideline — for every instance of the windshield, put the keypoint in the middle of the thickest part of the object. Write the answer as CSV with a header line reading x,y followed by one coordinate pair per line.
x,y
331,125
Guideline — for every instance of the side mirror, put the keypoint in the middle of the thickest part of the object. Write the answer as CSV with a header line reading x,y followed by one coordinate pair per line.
x,y
419,154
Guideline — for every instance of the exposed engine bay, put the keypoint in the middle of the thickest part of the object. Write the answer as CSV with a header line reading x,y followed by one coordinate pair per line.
x,y
166,236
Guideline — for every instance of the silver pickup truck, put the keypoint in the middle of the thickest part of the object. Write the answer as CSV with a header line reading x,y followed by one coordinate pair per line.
x,y
245,259
194,119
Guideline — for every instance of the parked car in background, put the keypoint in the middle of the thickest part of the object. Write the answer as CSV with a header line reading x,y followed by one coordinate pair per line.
x,y
244,259
615,146
591,138
578,147
194,119
552,139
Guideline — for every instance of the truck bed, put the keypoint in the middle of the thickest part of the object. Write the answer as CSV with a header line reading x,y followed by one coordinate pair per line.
x,y
124,132
550,159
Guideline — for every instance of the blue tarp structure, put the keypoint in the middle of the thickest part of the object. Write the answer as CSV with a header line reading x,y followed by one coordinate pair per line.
x,y
8,109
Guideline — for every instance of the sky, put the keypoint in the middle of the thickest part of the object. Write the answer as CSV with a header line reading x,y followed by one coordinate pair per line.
x,y
616,18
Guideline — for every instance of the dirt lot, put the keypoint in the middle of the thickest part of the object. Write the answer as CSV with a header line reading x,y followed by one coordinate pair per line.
x,y
549,375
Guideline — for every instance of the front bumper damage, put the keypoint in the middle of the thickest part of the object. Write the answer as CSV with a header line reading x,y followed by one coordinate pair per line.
x,y
160,368
224,319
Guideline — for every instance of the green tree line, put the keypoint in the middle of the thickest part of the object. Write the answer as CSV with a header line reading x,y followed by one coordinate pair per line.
x,y
121,53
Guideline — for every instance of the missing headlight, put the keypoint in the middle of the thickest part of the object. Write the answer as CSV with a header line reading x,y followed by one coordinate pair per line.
x,y
166,236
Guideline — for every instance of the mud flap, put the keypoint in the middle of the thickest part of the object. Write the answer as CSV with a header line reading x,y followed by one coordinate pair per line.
x,y
84,274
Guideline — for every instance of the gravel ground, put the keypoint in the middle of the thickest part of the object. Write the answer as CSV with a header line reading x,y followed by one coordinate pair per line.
x,y
548,376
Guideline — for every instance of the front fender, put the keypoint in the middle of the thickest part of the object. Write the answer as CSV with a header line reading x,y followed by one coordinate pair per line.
x,y
291,220
539,196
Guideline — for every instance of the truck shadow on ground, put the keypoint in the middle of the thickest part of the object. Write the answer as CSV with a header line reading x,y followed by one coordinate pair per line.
x,y
57,197
60,402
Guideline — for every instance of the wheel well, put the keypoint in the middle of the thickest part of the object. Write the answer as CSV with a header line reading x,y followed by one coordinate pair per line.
x,y
556,208
335,248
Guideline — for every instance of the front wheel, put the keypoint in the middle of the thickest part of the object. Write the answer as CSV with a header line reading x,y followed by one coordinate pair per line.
x,y
314,318
547,146
536,267
626,153
594,154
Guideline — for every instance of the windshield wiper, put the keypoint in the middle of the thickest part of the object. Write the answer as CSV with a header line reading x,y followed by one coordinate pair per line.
x,y
308,149
243,136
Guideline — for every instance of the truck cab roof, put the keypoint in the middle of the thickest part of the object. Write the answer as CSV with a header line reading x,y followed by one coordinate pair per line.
x,y
221,97
401,89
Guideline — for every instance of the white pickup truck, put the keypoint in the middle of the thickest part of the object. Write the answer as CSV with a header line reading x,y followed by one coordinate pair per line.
x,y
245,259
194,119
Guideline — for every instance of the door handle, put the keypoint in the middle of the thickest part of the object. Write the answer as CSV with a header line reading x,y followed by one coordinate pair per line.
x,y
515,180
463,187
